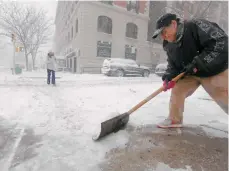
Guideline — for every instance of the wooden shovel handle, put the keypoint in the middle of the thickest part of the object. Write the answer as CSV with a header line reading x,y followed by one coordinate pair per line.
x,y
153,95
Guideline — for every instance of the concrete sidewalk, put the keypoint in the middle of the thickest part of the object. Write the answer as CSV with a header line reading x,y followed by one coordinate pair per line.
x,y
8,76
189,149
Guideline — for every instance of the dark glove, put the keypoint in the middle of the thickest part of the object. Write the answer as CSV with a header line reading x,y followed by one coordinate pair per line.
x,y
191,68
167,77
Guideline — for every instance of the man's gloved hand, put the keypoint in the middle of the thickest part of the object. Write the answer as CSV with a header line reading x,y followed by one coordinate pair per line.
x,y
167,82
191,68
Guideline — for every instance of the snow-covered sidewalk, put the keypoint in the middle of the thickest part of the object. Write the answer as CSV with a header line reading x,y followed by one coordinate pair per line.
x,y
51,128
38,78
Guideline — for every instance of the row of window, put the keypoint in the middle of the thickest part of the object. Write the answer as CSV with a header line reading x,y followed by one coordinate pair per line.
x,y
104,50
131,6
104,25
71,33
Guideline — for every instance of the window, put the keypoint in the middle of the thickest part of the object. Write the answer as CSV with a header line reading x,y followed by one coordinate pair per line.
x,y
68,65
72,32
76,25
133,5
103,49
70,62
131,30
104,24
130,52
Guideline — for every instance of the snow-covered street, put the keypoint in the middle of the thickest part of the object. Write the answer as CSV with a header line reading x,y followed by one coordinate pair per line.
x,y
45,128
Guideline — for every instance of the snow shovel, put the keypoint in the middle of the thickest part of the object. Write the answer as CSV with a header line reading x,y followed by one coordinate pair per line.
x,y
119,122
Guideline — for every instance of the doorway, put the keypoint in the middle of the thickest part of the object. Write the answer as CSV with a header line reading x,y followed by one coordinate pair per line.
x,y
75,64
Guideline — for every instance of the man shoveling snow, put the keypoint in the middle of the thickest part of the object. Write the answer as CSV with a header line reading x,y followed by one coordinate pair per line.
x,y
200,49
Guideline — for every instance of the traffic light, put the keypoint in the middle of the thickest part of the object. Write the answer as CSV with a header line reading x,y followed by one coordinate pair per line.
x,y
19,49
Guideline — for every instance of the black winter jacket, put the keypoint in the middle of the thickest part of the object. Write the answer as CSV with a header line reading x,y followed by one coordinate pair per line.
x,y
202,41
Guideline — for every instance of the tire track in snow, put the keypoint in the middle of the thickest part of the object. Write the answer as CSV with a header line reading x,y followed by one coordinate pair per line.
x,y
7,166
60,114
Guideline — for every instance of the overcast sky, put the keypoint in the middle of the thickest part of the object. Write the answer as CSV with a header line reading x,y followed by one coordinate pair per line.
x,y
50,6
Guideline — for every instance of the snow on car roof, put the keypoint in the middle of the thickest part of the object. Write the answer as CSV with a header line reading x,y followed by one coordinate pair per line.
x,y
119,59
162,65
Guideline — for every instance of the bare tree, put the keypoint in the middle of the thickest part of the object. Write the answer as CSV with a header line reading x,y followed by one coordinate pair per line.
x,y
41,36
190,9
218,13
215,11
30,26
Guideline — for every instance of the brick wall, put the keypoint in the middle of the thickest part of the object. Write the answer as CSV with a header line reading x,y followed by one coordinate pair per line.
x,y
142,6
121,3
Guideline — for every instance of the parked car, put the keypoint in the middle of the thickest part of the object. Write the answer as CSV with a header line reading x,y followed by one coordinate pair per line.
x,y
121,67
160,69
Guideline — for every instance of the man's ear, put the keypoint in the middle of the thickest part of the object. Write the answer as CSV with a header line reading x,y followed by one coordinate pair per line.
x,y
174,23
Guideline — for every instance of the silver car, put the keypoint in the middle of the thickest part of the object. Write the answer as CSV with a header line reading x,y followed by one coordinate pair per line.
x,y
160,69
122,67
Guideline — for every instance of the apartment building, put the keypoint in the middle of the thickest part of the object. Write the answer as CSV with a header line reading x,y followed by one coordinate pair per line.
x,y
87,32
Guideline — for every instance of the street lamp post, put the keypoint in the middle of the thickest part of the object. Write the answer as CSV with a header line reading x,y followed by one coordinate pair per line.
x,y
14,49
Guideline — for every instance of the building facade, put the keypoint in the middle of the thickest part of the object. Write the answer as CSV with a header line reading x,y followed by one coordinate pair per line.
x,y
156,10
87,32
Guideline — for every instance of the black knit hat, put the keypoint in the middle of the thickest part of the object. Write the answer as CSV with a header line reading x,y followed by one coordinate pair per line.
x,y
162,22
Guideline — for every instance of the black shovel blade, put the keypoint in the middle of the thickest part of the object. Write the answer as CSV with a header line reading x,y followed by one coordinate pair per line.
x,y
112,125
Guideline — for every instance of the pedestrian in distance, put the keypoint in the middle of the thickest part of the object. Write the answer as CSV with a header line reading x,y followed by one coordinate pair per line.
x,y
51,68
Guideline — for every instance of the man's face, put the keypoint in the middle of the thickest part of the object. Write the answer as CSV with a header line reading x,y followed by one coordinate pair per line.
x,y
169,32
